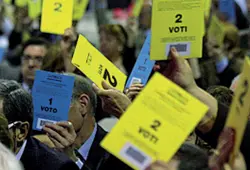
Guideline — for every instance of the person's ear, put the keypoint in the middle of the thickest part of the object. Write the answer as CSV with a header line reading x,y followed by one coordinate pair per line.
x,y
22,132
84,102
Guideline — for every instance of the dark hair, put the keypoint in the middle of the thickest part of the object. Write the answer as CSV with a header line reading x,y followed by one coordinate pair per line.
x,y
83,85
7,86
192,157
35,41
17,103
222,94
54,61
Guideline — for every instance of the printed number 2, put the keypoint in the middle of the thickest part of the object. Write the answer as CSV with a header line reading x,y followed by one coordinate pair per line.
x,y
156,124
58,6
244,93
178,18
107,75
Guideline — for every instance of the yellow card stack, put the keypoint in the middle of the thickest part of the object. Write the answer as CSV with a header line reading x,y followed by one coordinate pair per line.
x,y
56,16
155,125
216,30
178,24
137,8
240,109
79,9
35,7
7,1
96,66
21,3
208,4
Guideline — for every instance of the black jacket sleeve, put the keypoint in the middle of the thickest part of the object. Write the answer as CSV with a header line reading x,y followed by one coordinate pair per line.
x,y
212,136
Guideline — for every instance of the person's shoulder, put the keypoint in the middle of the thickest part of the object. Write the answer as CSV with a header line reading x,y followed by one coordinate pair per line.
x,y
54,159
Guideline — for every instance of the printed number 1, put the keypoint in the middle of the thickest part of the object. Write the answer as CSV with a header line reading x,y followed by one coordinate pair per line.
x,y
58,7
50,101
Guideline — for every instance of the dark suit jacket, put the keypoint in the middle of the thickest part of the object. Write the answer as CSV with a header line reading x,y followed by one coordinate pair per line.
x,y
212,136
37,156
100,159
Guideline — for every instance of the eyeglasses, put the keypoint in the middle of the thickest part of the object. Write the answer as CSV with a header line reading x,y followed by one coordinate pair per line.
x,y
14,124
38,60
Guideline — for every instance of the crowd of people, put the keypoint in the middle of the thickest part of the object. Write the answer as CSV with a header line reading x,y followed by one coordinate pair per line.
x,y
75,144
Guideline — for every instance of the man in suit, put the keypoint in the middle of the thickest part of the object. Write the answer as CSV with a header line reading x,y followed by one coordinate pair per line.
x,y
87,135
16,105
32,54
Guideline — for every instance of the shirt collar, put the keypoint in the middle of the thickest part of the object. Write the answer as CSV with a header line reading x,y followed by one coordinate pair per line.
x,y
20,152
85,148
26,87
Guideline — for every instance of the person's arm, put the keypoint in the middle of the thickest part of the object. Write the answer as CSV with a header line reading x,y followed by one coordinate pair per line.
x,y
208,121
215,128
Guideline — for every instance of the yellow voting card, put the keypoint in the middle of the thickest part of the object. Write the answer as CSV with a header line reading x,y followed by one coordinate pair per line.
x,y
137,8
35,7
7,1
240,108
79,9
178,24
208,4
216,30
155,125
96,66
56,16
21,3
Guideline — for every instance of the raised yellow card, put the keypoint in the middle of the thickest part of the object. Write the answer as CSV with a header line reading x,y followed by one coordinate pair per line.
x,y
216,30
208,4
79,9
240,108
7,1
137,8
96,66
35,7
155,125
56,16
178,24
21,3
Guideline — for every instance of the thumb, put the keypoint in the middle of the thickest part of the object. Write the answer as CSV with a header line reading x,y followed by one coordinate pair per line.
x,y
227,167
96,89
106,86
176,60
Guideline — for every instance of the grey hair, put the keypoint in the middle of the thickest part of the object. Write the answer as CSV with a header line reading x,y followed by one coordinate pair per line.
x,y
7,86
83,85
8,160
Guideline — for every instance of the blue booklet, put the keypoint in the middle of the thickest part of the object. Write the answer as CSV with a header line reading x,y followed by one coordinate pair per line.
x,y
227,7
52,95
143,65
2,50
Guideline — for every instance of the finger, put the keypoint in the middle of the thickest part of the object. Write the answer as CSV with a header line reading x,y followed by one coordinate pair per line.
x,y
134,89
132,94
56,143
53,134
137,85
174,54
96,89
67,125
156,166
106,86
227,167
60,130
